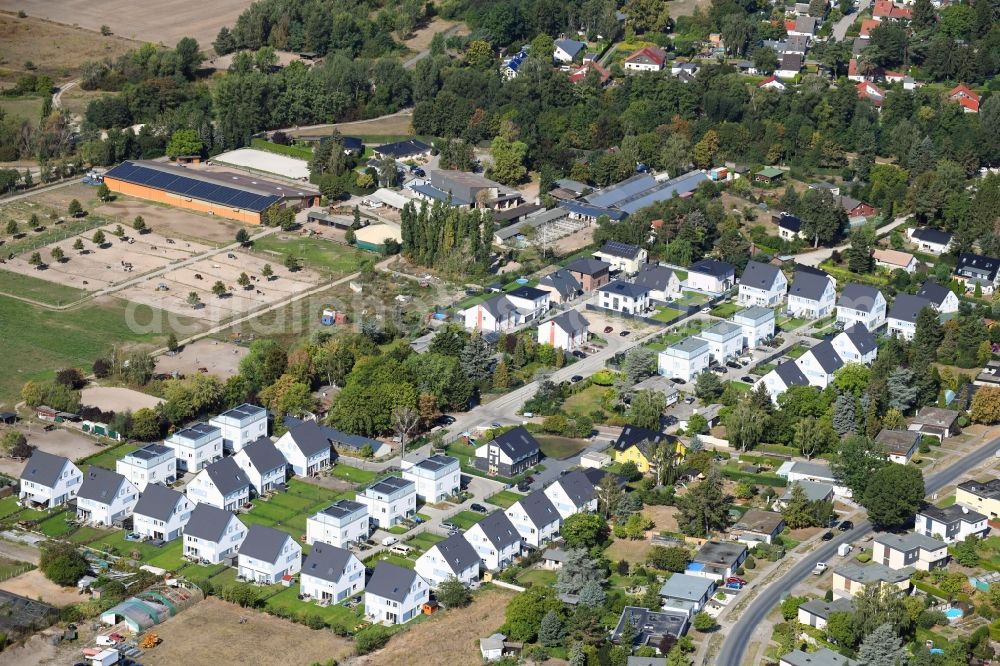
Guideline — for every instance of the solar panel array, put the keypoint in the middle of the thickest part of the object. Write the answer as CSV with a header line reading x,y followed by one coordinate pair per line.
x,y
232,197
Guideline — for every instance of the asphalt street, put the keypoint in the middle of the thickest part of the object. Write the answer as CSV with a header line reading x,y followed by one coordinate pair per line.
x,y
738,635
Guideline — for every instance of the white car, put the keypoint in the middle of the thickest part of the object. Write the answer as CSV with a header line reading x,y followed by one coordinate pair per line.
x,y
820,568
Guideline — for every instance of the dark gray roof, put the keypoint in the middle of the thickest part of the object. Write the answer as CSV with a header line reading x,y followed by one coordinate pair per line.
x,y
101,485
899,442
44,468
391,484
720,552
622,288
951,514
539,508
436,462
906,307
458,553
929,235
827,357
562,281
808,285
326,562
714,267
227,476
977,266
632,435
790,222
577,486
336,437
208,522
197,431
822,608
517,443
759,276
264,543
570,46
862,338
405,148
150,451
529,293
309,438
588,266
571,320
343,507
499,530
246,410
822,657
654,276
618,249
264,455
791,374
858,297
157,502
390,581
933,292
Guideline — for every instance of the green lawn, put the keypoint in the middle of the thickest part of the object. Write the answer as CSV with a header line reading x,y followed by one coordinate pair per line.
x,y
350,474
38,289
786,323
465,519
763,369
725,310
504,499
559,448
57,525
319,254
334,615
167,556
8,506
692,298
109,456
23,108
289,511
398,560
88,535
586,401
666,313
538,577
424,541
796,351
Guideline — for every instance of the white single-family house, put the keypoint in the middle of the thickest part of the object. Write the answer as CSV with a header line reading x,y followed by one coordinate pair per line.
x,y
860,304
264,465
725,341
389,501
505,312
783,377
951,524
856,345
816,613
902,319
574,492
395,595
535,518
943,299
241,425
567,330
342,523
647,59
757,324
153,463
684,360
566,50
452,557
812,295
900,445
898,551
495,540
196,446
105,497
331,574
622,256
222,484
49,480
711,276
662,282
435,478
819,363
306,448
762,284
626,297
212,534
932,241
161,513
267,555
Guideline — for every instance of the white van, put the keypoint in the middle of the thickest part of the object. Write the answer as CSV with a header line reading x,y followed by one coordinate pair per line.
x,y
400,549
388,541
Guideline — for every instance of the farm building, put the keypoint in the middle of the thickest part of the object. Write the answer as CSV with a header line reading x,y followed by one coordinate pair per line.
x,y
373,238
227,194
151,607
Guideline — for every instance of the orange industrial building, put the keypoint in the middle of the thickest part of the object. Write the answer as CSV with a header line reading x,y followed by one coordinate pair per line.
x,y
227,194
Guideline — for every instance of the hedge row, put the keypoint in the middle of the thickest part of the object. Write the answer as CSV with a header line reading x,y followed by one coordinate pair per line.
x,y
761,479
289,151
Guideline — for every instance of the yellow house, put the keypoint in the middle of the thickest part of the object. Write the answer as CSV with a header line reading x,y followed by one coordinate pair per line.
x,y
636,444
982,496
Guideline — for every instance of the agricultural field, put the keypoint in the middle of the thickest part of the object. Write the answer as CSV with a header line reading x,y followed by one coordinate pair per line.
x,y
37,289
375,130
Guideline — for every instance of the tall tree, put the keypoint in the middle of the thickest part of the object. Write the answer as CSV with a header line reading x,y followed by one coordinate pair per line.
x,y
745,425
892,495
882,647
704,508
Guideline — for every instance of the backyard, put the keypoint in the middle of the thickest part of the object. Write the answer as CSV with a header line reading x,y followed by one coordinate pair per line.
x,y
560,448
361,477
504,499
587,401
465,519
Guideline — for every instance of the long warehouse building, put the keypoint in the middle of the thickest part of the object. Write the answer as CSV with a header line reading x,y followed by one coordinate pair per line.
x,y
224,193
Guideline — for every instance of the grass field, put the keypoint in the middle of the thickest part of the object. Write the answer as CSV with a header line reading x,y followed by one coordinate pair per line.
x,y
538,577
465,519
560,447
326,256
423,541
109,456
585,401
504,499
39,290
288,511
725,310
22,108
353,475
334,615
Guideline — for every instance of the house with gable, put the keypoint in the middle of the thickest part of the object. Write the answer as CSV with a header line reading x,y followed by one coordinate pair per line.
x,y
820,363
636,445
263,464
161,513
789,226
784,376
977,270
662,282
625,297
951,524
306,448
936,422
622,256
342,523
452,557
267,555
49,480
535,518
900,445
572,493
942,299
930,240
222,484
648,59
590,273
812,295
331,574
861,304
757,324
567,330
496,540
893,260
762,284
772,83
711,276
212,535
105,497
394,595
816,612
509,454
567,50
967,99
855,344
902,319
561,285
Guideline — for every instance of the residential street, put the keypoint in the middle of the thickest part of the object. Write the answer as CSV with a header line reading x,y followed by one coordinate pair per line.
x,y
818,256
840,29
738,635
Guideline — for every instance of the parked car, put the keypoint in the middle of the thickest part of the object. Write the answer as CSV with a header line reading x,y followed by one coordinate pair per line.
x,y
846,525
706,310
736,579
625,334
419,172
819,568
388,541
670,420
524,487
449,526
576,378
579,354
718,369
479,508
608,329
734,365
689,400
495,424
747,378
827,536
678,380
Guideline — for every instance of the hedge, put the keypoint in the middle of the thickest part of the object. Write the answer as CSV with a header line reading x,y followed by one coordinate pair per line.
x,y
289,151
763,479
930,589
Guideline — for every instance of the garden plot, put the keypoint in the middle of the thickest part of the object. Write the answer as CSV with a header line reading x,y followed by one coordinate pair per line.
x,y
225,267
94,268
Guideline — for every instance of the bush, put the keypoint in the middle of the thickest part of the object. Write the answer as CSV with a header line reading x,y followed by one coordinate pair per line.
x,y
704,622
750,563
63,564
929,618
371,639
863,557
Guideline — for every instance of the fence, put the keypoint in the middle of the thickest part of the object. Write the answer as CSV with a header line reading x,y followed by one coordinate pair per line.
x,y
16,571
508,586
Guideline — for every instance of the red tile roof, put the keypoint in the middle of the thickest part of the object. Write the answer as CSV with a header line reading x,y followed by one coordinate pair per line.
x,y
581,74
886,9
870,91
657,55
965,97
867,25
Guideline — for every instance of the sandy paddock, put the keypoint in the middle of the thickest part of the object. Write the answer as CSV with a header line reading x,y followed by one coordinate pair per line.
x,y
96,268
172,222
117,399
221,359
35,585
61,442
183,280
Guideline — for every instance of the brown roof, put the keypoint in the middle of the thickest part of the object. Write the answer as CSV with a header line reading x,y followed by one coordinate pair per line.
x,y
894,257
764,522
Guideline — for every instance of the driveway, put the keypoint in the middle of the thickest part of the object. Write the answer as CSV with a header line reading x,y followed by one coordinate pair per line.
x,y
840,29
818,256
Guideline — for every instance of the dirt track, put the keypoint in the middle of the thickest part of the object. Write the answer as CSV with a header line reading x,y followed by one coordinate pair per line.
x,y
35,585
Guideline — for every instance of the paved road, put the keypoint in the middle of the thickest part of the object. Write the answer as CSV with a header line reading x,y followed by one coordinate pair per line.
x,y
816,257
840,29
739,635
